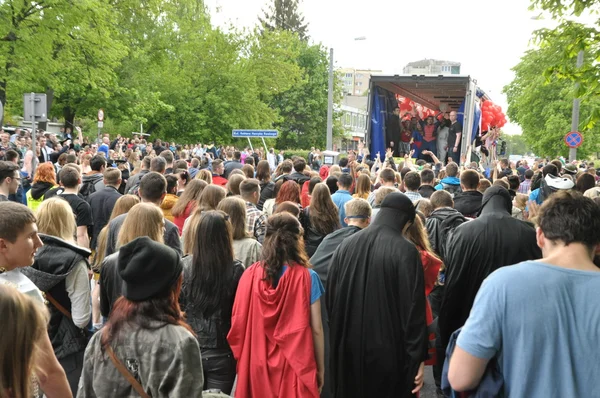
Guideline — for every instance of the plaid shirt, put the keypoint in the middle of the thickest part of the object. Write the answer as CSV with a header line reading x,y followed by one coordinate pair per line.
x,y
413,196
525,187
256,222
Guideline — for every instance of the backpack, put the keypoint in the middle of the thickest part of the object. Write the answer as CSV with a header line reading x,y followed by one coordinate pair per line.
x,y
88,188
451,189
447,226
135,189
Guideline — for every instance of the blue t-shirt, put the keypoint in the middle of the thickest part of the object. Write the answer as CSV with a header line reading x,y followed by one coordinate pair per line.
x,y
543,324
316,287
340,198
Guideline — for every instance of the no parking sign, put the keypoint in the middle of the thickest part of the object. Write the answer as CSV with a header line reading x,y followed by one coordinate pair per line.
x,y
574,139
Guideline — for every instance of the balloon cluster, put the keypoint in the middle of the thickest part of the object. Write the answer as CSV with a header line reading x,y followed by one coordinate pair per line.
x,y
491,116
408,105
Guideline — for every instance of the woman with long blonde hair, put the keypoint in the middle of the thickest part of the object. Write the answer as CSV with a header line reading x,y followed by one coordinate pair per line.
x,y
144,219
187,202
60,270
363,187
204,175
23,330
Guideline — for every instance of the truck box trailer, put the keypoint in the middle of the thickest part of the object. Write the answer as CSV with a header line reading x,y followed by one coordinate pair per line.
x,y
447,93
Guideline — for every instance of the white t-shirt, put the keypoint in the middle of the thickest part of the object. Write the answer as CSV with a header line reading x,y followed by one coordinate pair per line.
x,y
22,283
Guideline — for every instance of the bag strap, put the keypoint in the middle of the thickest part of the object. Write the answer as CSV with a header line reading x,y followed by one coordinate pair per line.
x,y
121,368
58,306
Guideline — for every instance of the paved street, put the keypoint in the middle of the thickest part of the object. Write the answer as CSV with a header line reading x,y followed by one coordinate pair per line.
x,y
428,390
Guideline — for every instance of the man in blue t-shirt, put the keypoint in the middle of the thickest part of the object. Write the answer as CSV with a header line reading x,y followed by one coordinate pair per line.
x,y
342,196
540,319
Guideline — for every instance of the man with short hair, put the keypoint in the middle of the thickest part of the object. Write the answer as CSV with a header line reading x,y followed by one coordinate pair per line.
x,y
12,156
103,201
454,137
256,221
525,186
342,196
158,164
442,219
134,181
375,299
233,162
298,174
44,150
412,182
10,178
194,167
427,183
70,178
153,188
451,182
540,312
286,169
19,241
468,202
217,171
387,178
169,159
94,180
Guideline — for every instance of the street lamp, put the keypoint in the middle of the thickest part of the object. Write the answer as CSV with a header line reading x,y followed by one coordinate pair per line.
x,y
329,143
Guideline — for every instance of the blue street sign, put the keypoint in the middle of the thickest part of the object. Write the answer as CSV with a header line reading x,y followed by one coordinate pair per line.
x,y
254,133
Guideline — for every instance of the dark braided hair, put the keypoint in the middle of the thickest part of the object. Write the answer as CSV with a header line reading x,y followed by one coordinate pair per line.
x,y
283,245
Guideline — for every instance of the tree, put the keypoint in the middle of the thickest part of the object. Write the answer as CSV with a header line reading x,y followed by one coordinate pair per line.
x,y
574,37
303,108
516,144
284,14
541,104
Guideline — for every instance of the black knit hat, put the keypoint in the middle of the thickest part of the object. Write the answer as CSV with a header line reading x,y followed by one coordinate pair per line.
x,y
148,268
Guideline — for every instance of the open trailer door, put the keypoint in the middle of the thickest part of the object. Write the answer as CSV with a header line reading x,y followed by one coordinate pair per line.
x,y
447,93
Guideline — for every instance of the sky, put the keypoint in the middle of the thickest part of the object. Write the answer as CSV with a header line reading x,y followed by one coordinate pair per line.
x,y
487,37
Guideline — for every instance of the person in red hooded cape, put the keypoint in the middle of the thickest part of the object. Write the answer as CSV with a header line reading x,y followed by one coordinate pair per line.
x,y
276,332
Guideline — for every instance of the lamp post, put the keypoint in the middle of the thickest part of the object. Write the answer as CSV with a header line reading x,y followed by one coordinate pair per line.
x,y
329,142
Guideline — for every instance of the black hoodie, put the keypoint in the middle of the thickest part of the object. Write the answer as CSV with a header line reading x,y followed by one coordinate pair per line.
x,y
39,189
468,203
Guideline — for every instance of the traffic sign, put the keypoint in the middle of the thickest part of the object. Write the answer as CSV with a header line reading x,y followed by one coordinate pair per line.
x,y
100,115
254,133
574,139
100,125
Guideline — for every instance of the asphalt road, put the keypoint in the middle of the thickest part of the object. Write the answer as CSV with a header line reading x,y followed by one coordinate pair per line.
x,y
428,390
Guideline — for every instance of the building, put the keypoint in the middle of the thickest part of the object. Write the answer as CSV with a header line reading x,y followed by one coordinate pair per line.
x,y
356,81
432,67
354,120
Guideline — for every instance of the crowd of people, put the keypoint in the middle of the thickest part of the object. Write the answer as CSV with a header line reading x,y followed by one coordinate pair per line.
x,y
137,268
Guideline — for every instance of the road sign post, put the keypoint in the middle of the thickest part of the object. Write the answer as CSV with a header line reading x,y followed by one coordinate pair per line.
x,y
100,125
262,134
573,140
34,109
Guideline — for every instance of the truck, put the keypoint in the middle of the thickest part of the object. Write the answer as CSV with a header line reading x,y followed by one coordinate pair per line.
x,y
438,93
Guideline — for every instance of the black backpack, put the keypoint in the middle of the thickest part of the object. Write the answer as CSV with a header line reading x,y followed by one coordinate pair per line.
x,y
447,226
87,188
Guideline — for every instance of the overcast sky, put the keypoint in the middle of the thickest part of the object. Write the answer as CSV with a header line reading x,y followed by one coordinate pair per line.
x,y
487,37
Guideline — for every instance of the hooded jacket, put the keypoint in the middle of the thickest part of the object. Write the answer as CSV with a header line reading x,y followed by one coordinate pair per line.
x,y
468,203
476,249
167,204
39,189
97,180
376,278
53,263
438,233
450,184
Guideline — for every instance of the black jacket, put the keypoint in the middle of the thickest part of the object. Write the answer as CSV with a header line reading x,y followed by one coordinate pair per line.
x,y
102,203
312,237
53,263
231,165
267,191
426,190
476,249
438,233
110,283
468,203
299,178
211,331
39,189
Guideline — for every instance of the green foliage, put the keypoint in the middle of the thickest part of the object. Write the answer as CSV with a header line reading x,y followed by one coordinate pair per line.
x,y
516,144
568,39
542,104
290,153
162,64
284,15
